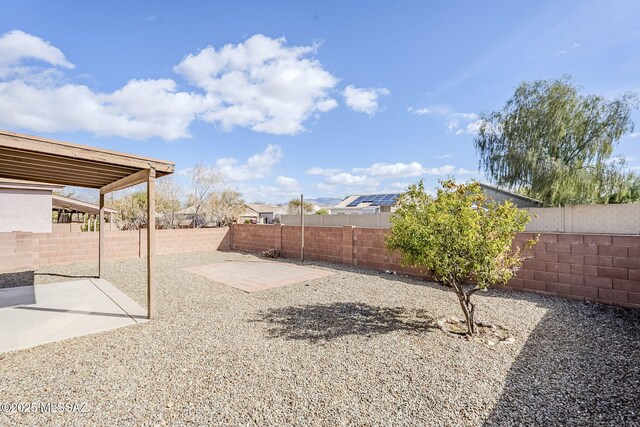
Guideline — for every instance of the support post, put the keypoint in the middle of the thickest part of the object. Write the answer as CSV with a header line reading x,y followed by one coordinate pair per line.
x,y
151,246
101,265
302,226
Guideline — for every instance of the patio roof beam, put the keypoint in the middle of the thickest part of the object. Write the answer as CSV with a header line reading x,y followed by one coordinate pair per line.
x,y
133,179
27,175
53,161
78,170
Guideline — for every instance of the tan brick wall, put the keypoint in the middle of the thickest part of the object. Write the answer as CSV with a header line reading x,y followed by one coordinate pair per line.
x,y
24,251
586,267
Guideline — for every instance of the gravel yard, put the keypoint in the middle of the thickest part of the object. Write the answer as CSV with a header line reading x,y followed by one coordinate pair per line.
x,y
354,348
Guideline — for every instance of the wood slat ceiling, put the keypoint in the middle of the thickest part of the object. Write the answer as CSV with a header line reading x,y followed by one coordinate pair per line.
x,y
32,158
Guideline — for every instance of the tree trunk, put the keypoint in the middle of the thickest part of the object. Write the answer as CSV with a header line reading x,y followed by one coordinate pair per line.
x,y
467,308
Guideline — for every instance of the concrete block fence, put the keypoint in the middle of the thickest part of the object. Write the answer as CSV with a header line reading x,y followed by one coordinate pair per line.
x,y
28,251
587,267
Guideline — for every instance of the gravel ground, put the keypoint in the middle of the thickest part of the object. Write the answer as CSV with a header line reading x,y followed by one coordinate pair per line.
x,y
355,348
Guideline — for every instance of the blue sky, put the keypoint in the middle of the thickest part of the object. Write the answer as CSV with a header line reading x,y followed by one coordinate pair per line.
x,y
328,99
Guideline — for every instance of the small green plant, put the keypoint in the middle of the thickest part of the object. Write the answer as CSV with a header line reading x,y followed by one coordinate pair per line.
x,y
462,237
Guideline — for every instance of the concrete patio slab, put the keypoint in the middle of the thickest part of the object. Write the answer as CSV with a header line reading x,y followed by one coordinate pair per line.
x,y
255,276
34,315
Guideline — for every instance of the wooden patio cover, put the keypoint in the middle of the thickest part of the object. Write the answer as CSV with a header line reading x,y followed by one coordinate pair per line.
x,y
32,158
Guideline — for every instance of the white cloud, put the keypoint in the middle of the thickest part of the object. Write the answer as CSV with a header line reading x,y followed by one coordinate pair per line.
x,y
442,170
392,169
261,83
458,123
471,128
256,167
400,185
348,179
321,171
141,109
16,46
268,193
568,49
445,156
372,178
634,135
419,111
286,182
404,170
462,171
364,100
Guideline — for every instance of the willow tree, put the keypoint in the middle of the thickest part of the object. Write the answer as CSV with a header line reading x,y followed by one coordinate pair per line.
x,y
556,145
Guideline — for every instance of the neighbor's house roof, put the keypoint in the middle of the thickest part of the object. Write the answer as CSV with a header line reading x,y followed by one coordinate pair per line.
x,y
266,209
61,202
518,199
27,185
189,210
368,200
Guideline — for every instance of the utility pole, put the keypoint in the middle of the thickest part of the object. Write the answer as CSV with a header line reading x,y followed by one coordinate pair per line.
x,y
302,226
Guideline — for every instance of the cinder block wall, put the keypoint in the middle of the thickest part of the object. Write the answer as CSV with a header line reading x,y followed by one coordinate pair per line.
x,y
587,267
362,247
27,251
592,267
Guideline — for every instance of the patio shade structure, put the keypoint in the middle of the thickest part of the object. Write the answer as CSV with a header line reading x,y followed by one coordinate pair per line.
x,y
32,158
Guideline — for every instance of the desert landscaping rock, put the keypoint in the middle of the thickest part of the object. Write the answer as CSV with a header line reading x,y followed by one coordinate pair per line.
x,y
355,348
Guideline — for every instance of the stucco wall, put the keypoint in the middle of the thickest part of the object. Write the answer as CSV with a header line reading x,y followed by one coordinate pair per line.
x,y
613,219
605,219
25,210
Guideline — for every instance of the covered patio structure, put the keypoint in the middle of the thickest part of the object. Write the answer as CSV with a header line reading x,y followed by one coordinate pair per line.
x,y
31,158
86,213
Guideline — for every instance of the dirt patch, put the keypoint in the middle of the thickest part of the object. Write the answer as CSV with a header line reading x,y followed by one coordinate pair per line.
x,y
487,333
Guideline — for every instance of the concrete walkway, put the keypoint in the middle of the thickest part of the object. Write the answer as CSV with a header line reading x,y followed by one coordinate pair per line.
x,y
34,315
254,276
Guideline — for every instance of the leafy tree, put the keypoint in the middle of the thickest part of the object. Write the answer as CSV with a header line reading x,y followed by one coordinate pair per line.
x,y
226,206
294,207
461,237
556,145
322,211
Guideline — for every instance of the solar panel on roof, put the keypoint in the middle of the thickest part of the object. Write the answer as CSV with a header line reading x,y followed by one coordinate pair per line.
x,y
389,199
375,200
356,202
